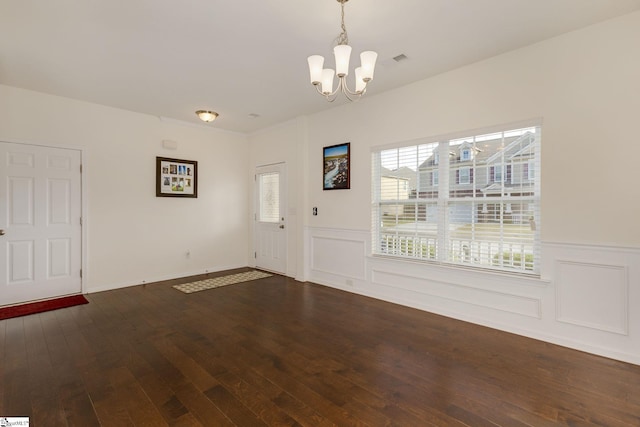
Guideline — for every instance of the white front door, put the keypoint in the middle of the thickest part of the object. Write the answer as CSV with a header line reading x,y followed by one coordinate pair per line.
x,y
270,229
40,214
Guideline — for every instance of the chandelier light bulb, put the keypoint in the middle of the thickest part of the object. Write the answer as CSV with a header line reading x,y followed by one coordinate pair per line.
x,y
316,62
342,53
360,84
368,63
327,81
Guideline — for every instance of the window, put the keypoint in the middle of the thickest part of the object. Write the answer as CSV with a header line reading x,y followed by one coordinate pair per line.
x,y
465,154
464,176
496,172
490,222
500,173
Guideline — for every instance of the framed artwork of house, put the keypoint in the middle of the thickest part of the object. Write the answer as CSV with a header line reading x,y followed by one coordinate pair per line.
x,y
176,177
336,166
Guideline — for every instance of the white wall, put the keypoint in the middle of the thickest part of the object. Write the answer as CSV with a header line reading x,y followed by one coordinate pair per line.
x,y
585,87
133,236
285,143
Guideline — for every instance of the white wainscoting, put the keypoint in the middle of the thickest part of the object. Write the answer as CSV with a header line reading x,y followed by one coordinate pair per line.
x,y
587,297
605,289
337,256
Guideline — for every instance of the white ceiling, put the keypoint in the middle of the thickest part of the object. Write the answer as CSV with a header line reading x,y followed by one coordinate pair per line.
x,y
169,58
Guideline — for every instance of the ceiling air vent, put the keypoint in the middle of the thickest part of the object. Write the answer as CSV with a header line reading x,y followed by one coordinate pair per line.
x,y
399,58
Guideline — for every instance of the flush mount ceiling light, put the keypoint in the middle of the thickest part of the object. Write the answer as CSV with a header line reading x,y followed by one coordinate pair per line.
x,y
206,116
322,79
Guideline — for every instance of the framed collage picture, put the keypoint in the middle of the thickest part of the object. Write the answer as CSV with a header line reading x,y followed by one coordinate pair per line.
x,y
336,165
176,178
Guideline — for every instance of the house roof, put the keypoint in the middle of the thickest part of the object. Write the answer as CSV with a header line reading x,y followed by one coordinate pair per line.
x,y
488,151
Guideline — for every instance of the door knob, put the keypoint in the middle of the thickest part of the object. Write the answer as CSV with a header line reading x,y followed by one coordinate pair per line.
x,y
281,226
1,232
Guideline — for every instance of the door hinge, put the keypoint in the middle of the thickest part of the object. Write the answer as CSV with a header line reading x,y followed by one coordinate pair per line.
x,y
255,254
80,220
80,167
81,273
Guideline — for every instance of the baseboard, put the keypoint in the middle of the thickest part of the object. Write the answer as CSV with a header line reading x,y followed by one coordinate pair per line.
x,y
153,279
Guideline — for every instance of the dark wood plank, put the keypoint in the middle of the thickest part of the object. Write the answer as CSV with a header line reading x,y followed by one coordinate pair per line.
x,y
3,364
45,405
279,352
17,395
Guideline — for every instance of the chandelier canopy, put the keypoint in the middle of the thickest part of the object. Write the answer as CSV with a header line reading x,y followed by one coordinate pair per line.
x,y
322,78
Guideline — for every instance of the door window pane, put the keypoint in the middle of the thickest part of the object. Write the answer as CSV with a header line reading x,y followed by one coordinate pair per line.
x,y
269,197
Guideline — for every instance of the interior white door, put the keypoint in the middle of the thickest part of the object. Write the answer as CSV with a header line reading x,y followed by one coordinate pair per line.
x,y
270,224
40,219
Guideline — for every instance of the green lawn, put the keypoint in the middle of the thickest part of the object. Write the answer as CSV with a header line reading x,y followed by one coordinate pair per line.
x,y
482,231
486,231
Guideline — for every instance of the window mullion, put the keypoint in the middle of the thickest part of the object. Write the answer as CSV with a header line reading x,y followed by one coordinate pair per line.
x,y
443,202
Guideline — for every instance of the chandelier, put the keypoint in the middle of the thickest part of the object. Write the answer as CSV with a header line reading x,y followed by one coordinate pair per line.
x,y
322,79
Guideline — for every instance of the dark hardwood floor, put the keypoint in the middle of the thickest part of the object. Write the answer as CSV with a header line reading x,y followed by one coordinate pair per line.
x,y
278,352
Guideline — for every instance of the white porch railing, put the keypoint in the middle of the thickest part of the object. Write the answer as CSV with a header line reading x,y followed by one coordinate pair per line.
x,y
511,256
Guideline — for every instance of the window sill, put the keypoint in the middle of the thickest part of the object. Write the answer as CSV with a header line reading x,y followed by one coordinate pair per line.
x,y
529,279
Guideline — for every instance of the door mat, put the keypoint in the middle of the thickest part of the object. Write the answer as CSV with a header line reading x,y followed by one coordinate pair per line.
x,y
216,282
41,306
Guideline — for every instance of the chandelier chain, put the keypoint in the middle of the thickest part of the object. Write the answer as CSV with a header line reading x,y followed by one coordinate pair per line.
x,y
343,38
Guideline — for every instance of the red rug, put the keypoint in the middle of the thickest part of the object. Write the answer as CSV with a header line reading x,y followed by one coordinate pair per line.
x,y
40,306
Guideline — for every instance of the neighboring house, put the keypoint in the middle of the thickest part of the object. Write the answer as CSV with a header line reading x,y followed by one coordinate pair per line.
x,y
394,187
408,174
489,169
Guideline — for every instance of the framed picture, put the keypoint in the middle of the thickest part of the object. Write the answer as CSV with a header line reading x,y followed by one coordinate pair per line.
x,y
336,167
176,178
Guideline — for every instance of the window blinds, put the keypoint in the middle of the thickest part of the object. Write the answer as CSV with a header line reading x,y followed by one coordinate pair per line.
x,y
471,201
